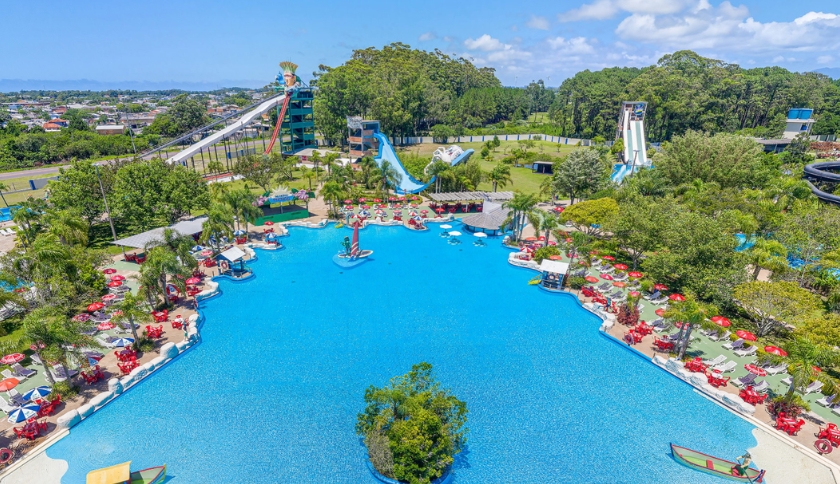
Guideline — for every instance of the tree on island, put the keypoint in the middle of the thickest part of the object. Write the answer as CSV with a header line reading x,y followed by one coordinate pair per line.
x,y
412,427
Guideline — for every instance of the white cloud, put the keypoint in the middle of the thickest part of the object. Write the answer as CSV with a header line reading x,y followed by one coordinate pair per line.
x,y
825,59
485,43
427,36
605,9
577,45
539,23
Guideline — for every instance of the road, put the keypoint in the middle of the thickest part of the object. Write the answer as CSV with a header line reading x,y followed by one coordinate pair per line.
x,y
45,170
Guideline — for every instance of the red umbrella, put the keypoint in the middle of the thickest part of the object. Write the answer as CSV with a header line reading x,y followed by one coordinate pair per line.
x,y
755,370
109,270
95,306
676,297
660,311
193,280
105,326
439,210
530,239
81,317
608,257
551,242
117,277
591,279
12,358
660,287
721,321
348,201
635,274
424,211
556,257
635,294
817,369
621,267
619,284
362,199
115,284
591,252
206,252
108,297
402,198
269,223
775,350
8,384
606,277
745,335
376,200
559,209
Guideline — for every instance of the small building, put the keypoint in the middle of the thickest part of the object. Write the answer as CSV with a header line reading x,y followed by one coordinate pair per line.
x,y
51,127
543,167
232,263
798,121
553,272
491,218
360,137
108,129
61,122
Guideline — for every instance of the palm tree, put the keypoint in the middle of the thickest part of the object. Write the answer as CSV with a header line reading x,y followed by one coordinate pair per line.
x,y
519,205
768,254
546,221
331,192
67,226
55,337
316,160
3,186
804,357
133,309
160,263
500,176
579,241
242,204
308,174
329,162
388,175
692,314
437,169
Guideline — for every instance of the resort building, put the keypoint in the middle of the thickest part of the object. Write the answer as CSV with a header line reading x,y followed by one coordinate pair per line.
x,y
489,220
360,137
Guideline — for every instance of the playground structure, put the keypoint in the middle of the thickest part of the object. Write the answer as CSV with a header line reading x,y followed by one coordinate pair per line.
x,y
293,103
631,130
452,156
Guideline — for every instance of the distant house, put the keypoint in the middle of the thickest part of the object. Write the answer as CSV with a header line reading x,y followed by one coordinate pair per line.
x,y
59,110
61,122
107,129
51,127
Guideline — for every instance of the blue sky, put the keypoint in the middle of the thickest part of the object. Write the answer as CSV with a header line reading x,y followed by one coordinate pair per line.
x,y
219,42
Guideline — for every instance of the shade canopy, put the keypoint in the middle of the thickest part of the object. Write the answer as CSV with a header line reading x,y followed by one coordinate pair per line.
x,y
155,236
467,196
554,267
233,254
743,334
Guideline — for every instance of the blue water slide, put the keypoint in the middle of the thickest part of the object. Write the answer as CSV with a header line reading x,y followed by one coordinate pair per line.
x,y
408,183
463,157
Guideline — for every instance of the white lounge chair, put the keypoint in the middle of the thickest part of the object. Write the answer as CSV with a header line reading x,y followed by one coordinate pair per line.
x,y
734,345
814,387
716,361
828,400
9,374
749,351
745,380
775,370
761,386
104,343
726,367
35,359
717,336
787,381
16,397
22,372
6,406
659,300
59,373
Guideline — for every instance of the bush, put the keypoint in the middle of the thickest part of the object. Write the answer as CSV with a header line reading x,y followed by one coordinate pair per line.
x,y
64,388
144,344
576,282
545,253
647,285
792,406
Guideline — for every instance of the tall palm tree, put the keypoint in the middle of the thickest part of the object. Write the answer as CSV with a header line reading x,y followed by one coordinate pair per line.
x,y
55,337
331,192
692,314
241,203
803,358
160,263
316,160
520,205
68,226
500,176
544,221
388,175
437,169
768,254
3,186
219,224
133,309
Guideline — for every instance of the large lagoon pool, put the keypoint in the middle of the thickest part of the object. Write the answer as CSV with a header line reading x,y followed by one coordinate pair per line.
x,y
272,392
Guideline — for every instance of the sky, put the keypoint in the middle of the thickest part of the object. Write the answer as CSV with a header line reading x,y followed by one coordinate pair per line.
x,y
223,43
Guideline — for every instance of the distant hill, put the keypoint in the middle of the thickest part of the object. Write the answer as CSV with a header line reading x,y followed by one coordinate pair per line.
x,y
832,72
14,85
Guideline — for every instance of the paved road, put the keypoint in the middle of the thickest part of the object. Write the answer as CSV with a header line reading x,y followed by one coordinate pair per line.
x,y
46,170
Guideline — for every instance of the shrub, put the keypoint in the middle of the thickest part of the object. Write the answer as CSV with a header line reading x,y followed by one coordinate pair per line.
x,y
791,406
64,388
545,253
576,282
144,344
647,285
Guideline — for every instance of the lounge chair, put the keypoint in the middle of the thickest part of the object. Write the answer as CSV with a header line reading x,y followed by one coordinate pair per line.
x,y
775,370
749,351
828,400
717,335
9,374
745,380
104,342
60,373
22,372
36,359
16,397
761,386
659,300
659,325
734,345
716,361
814,387
604,287
608,270
620,277
726,367
6,406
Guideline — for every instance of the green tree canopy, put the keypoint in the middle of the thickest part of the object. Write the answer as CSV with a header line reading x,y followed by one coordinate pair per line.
x,y
772,305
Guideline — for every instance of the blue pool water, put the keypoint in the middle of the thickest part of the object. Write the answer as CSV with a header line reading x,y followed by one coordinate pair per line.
x,y
272,392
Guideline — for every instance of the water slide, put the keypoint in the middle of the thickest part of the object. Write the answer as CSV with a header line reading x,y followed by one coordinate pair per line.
x,y
452,156
635,149
817,171
218,136
408,184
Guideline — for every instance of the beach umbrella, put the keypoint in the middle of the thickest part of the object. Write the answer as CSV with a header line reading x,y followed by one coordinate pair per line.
x,y
591,252
269,223
95,306
37,392
105,326
193,280
635,274
392,199
108,297
376,200
591,279
348,201
755,370
817,369
676,297
774,350
454,233
402,198
115,284
606,277
424,211
721,321
206,252
660,311
362,200
24,413
743,334
621,267
480,235
608,257
439,210
555,257
446,226
239,232
530,239
8,383
109,270
116,314
117,277
12,358
619,284
559,209
121,342
660,287
541,238
81,317
635,294
196,248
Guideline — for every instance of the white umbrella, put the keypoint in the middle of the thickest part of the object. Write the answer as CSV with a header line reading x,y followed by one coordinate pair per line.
x,y
454,233
122,342
445,226
480,235
24,413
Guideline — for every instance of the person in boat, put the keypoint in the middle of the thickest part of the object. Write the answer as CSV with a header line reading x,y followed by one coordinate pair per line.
x,y
740,469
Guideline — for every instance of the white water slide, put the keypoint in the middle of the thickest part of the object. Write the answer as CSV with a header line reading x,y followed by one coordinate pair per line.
x,y
635,151
218,136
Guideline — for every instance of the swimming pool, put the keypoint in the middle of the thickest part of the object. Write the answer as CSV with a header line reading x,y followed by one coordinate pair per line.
x,y
273,390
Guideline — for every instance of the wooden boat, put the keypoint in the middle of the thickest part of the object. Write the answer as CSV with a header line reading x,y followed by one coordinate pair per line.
x,y
121,474
713,465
